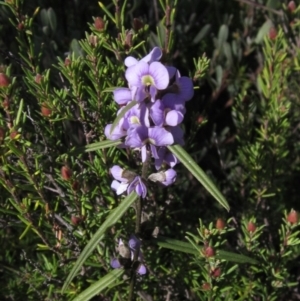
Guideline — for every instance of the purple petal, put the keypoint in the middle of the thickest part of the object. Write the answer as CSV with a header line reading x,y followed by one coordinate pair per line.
x,y
177,134
173,118
135,73
130,61
170,177
186,87
171,70
137,137
117,173
171,159
117,133
153,56
115,264
141,188
134,243
141,270
160,75
174,102
160,137
118,187
122,96
157,113
144,153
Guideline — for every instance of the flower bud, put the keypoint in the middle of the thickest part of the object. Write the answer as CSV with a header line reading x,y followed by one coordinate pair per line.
x,y
76,220
215,273
67,62
293,217
209,252
45,110
206,286
2,134
13,134
5,103
137,24
75,186
20,26
272,33
251,227
66,173
38,78
4,80
220,224
291,6
99,24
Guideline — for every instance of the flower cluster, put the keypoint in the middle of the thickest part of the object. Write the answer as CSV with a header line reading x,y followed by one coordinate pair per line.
x,y
126,256
152,108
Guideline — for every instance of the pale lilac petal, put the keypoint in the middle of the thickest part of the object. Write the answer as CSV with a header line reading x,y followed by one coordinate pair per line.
x,y
130,61
141,270
171,70
177,134
157,113
186,87
122,96
135,73
137,137
144,153
134,243
118,187
140,94
141,188
160,136
115,264
170,177
153,56
174,118
154,151
160,75
117,133
171,159
117,173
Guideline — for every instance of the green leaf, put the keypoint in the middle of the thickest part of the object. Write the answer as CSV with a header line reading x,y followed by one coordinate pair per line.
x,y
234,257
202,33
100,285
122,114
174,244
96,146
222,36
263,31
52,19
113,217
198,173
185,247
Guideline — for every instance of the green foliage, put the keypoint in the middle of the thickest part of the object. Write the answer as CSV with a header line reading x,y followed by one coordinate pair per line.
x,y
60,220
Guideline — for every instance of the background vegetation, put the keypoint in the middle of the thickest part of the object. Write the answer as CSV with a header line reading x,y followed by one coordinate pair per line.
x,y
59,63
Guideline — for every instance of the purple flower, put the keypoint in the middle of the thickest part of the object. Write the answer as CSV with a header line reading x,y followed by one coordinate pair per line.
x,y
153,56
166,178
122,96
144,76
164,156
127,255
125,180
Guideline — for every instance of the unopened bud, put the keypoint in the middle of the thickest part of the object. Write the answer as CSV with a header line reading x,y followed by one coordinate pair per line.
x,y
291,6
137,24
99,24
206,286
272,33
76,220
251,227
45,110
66,173
220,224
4,80
216,272
209,252
2,134
13,134
20,26
67,62
38,78
75,185
293,217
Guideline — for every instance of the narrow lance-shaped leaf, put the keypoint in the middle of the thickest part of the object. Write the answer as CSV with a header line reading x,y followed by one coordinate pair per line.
x,y
198,173
100,285
96,146
113,217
